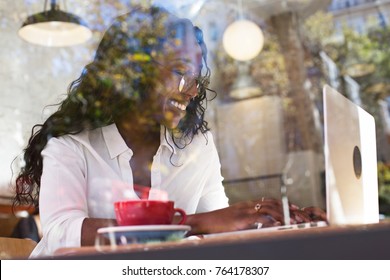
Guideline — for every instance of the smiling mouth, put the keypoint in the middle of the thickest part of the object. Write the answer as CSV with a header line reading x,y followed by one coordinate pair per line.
x,y
178,105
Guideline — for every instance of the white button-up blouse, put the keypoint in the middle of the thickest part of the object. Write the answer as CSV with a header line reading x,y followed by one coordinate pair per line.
x,y
84,174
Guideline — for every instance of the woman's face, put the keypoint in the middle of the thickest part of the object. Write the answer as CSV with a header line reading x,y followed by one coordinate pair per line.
x,y
177,71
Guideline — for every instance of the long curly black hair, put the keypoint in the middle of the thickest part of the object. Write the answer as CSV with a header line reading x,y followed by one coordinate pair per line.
x,y
115,82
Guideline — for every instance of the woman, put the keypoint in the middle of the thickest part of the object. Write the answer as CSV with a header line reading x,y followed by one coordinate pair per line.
x,y
134,117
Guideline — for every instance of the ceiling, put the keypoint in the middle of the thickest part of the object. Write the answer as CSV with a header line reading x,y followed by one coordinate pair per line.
x,y
99,13
190,8
259,8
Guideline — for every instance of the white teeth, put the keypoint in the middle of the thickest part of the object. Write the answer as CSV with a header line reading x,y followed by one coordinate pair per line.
x,y
178,105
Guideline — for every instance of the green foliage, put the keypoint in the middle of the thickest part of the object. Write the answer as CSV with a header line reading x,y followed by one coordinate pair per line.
x,y
317,29
269,68
365,58
384,183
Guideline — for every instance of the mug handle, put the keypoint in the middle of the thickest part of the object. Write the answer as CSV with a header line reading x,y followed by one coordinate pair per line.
x,y
182,214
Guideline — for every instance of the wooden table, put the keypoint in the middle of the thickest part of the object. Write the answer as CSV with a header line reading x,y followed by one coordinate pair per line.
x,y
333,242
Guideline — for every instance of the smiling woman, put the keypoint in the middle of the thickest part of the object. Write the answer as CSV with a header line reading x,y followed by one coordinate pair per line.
x,y
130,120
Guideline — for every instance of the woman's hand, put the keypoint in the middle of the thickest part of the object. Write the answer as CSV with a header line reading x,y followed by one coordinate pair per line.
x,y
315,213
274,210
266,212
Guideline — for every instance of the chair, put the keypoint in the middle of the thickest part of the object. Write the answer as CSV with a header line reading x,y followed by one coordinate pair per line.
x,y
16,248
8,223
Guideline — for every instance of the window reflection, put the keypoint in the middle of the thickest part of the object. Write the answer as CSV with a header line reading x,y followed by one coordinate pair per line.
x,y
277,125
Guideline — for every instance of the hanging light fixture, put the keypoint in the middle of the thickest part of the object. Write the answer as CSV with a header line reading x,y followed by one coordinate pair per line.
x,y
243,39
244,86
54,28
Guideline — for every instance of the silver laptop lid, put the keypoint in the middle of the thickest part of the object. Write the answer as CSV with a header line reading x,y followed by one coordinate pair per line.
x,y
350,161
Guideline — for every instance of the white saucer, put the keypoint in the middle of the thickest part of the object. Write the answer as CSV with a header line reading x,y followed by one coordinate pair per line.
x,y
121,235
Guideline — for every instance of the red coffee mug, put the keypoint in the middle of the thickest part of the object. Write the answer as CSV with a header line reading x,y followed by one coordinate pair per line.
x,y
146,212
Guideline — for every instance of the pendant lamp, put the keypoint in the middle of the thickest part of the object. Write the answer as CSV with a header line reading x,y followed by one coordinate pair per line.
x,y
54,28
243,39
244,85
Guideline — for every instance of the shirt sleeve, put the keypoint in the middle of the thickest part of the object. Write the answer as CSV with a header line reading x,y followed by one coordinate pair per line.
x,y
213,195
63,194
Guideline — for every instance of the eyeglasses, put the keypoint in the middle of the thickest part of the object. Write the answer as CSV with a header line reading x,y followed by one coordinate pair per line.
x,y
187,80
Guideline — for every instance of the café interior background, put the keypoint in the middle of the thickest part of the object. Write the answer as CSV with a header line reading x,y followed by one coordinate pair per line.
x,y
267,117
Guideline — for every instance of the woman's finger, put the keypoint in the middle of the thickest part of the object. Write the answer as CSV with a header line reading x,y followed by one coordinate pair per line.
x,y
264,221
300,216
275,202
274,212
315,213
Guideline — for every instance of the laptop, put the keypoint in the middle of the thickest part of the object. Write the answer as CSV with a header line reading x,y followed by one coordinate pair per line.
x,y
350,166
350,161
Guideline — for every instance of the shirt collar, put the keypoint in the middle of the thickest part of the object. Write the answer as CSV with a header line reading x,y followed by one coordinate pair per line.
x,y
114,141
116,145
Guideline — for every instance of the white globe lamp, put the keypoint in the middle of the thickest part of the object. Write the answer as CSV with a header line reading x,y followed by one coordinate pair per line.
x,y
243,40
